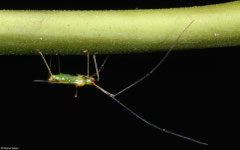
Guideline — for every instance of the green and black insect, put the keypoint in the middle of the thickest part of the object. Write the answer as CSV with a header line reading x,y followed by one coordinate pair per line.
x,y
80,80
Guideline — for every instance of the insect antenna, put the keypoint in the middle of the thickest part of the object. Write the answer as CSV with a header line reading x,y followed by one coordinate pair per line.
x,y
145,121
159,63
44,60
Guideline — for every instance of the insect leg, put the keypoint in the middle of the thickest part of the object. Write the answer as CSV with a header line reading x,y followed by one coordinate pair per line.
x,y
145,121
159,63
104,62
96,68
59,68
44,60
76,92
50,65
87,64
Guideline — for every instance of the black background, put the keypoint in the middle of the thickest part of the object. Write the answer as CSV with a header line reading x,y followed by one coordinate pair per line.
x,y
178,96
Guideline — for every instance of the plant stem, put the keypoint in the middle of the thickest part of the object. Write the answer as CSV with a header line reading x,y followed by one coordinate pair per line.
x,y
118,31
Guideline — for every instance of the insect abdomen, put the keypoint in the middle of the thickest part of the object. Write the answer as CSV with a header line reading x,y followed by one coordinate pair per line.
x,y
67,79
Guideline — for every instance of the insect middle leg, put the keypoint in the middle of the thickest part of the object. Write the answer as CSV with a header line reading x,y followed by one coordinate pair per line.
x,y
101,67
96,67
95,64
59,67
59,64
87,64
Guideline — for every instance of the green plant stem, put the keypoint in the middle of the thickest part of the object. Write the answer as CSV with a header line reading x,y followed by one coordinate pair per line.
x,y
118,31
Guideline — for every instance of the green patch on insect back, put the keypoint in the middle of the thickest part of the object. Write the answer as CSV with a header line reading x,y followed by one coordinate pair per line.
x,y
77,80
64,78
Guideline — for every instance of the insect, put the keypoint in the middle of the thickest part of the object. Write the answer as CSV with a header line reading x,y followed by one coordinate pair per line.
x,y
80,80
